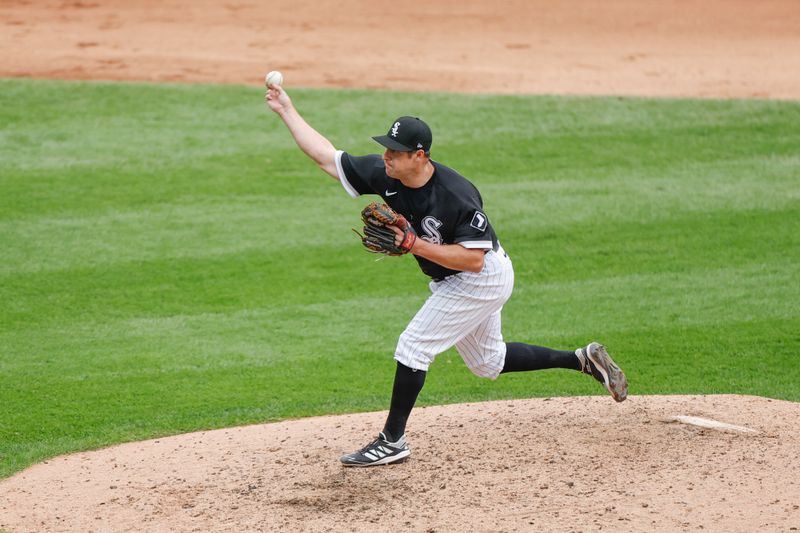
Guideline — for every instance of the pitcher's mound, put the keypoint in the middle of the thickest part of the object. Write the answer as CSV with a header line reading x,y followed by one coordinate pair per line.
x,y
566,464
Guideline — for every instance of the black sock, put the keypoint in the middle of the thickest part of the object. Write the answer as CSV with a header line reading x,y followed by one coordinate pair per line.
x,y
522,357
407,384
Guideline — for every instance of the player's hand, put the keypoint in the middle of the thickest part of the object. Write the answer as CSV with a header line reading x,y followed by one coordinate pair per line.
x,y
399,237
386,231
277,99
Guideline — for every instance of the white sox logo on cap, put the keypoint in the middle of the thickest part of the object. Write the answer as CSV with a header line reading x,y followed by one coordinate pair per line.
x,y
407,134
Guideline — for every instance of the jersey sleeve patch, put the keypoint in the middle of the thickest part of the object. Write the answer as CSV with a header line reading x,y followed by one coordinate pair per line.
x,y
479,221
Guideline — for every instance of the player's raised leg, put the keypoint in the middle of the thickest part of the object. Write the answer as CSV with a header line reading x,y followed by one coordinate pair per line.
x,y
592,359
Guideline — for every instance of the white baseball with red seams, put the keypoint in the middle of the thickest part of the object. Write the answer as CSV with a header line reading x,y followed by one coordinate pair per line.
x,y
273,77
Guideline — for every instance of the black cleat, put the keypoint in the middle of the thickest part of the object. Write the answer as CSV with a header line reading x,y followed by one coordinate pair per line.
x,y
378,452
596,362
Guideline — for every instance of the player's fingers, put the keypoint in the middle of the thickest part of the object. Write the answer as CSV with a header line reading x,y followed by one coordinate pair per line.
x,y
398,235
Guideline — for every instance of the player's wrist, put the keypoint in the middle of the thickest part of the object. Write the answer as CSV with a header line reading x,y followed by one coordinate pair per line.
x,y
419,246
286,110
409,240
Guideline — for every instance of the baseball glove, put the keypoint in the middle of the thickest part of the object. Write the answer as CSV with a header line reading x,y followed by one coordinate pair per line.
x,y
379,237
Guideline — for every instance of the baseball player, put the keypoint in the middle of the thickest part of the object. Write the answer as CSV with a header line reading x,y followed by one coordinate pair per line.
x,y
451,237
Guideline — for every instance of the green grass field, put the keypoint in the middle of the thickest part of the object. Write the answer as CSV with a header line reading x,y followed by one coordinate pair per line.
x,y
171,262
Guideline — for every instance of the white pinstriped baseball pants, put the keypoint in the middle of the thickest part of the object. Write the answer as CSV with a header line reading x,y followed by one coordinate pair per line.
x,y
463,311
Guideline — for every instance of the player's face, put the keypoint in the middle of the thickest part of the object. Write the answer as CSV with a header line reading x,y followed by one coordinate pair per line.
x,y
400,164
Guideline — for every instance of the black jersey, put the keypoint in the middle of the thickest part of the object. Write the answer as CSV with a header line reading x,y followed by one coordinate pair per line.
x,y
448,209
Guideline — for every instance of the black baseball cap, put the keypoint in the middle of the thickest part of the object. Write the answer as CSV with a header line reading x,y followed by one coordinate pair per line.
x,y
407,134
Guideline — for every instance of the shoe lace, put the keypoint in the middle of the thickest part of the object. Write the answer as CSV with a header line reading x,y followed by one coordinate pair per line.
x,y
586,366
371,445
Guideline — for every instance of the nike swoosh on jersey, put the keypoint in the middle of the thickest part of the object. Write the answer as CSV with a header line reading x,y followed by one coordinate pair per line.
x,y
391,193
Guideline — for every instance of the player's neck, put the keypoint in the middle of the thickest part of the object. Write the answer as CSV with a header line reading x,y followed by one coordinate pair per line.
x,y
419,179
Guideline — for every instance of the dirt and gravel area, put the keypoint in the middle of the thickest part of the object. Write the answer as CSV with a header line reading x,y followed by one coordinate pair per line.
x,y
714,48
556,464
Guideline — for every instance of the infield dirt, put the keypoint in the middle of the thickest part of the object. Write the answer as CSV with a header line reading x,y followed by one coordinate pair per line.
x,y
555,464
558,464
714,48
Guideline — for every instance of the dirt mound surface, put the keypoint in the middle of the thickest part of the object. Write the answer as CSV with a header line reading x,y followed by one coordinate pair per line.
x,y
714,48
556,464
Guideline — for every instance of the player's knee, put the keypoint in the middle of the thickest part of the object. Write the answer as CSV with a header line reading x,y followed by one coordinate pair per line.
x,y
488,370
410,352
486,361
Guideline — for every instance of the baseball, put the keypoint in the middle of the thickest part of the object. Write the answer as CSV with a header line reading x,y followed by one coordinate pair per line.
x,y
274,78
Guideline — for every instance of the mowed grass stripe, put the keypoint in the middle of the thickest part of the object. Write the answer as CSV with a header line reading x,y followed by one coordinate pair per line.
x,y
171,262
687,299
198,227
254,278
